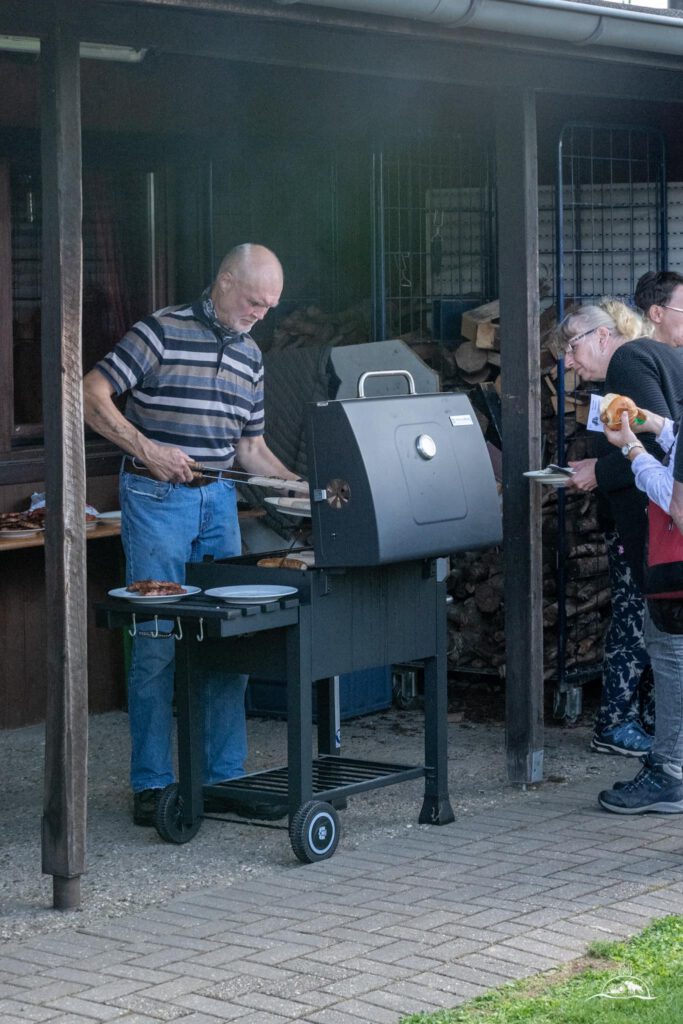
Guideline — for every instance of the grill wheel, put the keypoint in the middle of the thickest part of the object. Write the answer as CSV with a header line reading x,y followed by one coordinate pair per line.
x,y
314,831
168,817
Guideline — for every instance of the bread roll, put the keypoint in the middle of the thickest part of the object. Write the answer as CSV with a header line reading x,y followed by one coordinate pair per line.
x,y
612,407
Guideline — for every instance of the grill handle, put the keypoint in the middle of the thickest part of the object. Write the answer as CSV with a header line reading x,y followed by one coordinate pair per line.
x,y
385,373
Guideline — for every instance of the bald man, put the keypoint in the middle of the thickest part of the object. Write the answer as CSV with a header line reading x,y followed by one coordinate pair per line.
x,y
193,377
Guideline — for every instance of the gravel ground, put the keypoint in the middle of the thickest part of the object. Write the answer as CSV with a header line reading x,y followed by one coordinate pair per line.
x,y
130,868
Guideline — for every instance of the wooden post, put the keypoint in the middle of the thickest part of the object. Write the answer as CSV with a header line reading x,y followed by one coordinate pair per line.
x,y
517,182
66,746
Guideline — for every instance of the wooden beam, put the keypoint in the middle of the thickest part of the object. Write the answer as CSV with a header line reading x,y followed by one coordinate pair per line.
x,y
517,188
6,328
66,747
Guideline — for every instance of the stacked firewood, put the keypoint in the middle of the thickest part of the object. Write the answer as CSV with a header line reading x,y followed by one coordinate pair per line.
x,y
476,615
309,325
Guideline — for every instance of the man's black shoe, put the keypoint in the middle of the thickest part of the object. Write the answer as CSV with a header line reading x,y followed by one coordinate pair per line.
x,y
245,809
144,806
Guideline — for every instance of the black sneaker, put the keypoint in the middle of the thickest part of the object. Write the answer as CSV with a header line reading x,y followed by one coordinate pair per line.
x,y
144,806
653,789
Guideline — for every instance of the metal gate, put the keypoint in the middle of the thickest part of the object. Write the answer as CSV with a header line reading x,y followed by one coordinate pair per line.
x,y
434,235
610,227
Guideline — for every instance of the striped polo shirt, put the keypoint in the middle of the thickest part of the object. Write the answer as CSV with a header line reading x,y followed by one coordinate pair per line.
x,y
188,388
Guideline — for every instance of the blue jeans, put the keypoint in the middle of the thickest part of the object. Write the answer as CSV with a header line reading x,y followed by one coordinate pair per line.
x,y
666,655
163,526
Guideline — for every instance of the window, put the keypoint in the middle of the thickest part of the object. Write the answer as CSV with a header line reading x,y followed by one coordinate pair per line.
x,y
120,276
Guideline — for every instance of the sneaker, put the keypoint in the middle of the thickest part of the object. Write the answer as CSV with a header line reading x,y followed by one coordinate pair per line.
x,y
144,806
629,739
653,789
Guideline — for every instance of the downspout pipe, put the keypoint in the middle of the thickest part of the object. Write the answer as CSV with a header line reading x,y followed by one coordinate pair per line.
x,y
568,21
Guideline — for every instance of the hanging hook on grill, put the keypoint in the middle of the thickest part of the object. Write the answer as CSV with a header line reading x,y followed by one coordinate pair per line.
x,y
179,634
153,634
200,634
134,630
156,633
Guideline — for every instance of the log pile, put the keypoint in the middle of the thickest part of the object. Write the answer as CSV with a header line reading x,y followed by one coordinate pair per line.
x,y
309,325
476,616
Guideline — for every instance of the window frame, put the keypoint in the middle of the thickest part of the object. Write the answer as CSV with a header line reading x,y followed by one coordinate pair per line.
x,y
22,445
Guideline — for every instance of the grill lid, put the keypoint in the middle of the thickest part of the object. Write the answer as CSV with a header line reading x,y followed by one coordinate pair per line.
x,y
398,478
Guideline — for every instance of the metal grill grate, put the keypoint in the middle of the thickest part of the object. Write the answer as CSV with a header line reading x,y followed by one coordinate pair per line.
x,y
329,774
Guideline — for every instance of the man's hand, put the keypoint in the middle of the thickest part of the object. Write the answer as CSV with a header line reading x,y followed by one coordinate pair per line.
x,y
583,478
165,463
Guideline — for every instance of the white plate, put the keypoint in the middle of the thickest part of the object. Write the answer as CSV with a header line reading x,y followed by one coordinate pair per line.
x,y
116,516
28,531
256,594
153,599
299,507
549,476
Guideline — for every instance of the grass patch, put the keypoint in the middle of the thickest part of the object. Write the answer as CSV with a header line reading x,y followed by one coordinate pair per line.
x,y
601,988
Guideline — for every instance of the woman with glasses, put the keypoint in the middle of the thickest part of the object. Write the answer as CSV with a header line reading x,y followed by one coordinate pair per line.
x,y
608,342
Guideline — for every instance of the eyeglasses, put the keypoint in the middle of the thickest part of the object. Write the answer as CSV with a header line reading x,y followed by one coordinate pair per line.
x,y
676,309
573,342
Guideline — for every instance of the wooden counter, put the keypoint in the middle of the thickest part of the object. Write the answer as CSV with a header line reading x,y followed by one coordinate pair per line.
x,y
105,528
108,528
23,615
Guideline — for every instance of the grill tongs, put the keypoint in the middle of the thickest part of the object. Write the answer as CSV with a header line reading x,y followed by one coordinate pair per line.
x,y
278,483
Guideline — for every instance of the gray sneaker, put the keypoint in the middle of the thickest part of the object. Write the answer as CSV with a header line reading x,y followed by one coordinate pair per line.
x,y
653,789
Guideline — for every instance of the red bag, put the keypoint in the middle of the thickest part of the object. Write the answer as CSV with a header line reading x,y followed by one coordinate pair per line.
x,y
664,562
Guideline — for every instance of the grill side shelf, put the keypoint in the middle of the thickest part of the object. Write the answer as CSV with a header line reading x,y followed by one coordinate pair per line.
x,y
216,618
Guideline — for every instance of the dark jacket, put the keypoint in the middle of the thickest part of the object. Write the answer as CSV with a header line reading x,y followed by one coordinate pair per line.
x,y
651,373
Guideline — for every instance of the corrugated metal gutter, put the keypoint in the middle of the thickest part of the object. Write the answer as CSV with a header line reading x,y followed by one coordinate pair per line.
x,y
566,21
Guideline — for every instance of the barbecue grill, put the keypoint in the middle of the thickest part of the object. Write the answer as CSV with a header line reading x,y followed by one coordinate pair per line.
x,y
396,483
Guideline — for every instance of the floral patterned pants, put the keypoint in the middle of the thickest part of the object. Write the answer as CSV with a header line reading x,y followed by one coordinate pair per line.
x,y
627,687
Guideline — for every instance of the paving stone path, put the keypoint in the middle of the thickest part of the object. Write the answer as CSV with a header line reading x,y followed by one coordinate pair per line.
x,y
394,927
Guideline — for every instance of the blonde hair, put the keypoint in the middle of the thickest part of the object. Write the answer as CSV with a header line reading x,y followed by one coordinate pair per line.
x,y
611,313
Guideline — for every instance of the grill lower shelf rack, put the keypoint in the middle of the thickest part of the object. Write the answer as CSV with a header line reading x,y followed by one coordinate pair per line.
x,y
341,620
332,777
